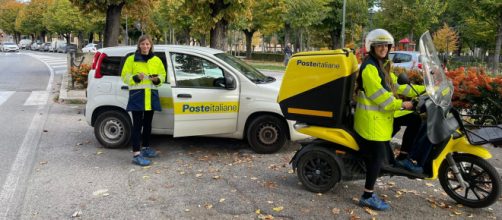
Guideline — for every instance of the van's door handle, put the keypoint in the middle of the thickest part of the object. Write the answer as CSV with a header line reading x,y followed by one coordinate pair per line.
x,y
124,87
184,96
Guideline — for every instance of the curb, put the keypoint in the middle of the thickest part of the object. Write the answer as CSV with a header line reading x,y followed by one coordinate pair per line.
x,y
70,96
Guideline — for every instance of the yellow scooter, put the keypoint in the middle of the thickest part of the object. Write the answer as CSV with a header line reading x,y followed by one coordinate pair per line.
x,y
316,92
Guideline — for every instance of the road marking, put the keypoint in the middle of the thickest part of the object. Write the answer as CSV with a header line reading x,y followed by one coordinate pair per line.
x,y
12,192
37,98
59,66
4,95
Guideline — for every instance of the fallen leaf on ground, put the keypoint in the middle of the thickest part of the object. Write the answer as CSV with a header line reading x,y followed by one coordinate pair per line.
x,y
429,184
270,202
457,212
146,177
254,178
198,175
157,172
208,206
370,211
99,152
291,171
278,209
216,177
258,211
222,199
355,199
335,211
265,217
76,214
187,210
100,192
43,162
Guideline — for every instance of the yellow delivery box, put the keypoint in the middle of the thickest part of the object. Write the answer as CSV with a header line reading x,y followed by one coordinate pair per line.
x,y
317,87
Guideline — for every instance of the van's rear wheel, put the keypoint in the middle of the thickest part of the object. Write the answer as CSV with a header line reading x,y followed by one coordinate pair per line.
x,y
113,129
483,181
267,134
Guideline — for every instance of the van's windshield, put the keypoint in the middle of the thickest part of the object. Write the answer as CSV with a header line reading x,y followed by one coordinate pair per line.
x,y
247,70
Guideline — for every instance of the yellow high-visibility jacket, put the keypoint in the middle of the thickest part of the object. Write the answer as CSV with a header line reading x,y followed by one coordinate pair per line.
x,y
143,95
376,104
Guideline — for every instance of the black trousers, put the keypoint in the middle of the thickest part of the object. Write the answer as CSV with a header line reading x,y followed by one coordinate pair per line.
x,y
412,121
374,154
141,121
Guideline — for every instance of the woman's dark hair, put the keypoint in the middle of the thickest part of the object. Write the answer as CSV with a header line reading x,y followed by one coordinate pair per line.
x,y
385,65
143,38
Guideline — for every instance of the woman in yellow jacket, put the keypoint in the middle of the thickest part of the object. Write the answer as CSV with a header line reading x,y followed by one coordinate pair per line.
x,y
374,115
143,72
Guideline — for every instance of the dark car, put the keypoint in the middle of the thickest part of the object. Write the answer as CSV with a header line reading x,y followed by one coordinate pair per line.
x,y
65,48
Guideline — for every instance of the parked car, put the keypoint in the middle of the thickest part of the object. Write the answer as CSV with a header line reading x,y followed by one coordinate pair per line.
x,y
45,46
54,45
9,46
406,59
90,48
65,48
207,92
36,45
24,43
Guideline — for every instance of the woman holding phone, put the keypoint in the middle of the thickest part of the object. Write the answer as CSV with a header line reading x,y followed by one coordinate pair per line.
x,y
143,72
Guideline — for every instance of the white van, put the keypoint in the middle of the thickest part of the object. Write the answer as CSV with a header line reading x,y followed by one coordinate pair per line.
x,y
24,43
207,92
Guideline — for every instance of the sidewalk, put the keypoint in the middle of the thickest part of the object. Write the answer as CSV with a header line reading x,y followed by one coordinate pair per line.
x,y
70,96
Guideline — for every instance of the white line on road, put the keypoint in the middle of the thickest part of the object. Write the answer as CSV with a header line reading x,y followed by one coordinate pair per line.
x,y
12,192
4,95
37,98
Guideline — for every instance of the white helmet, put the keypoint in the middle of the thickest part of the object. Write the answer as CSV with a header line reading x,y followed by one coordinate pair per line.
x,y
378,36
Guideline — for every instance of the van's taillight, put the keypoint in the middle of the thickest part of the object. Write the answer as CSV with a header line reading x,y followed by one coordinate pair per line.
x,y
419,66
97,74
95,60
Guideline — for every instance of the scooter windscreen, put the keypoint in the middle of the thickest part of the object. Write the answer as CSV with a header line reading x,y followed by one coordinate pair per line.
x,y
438,86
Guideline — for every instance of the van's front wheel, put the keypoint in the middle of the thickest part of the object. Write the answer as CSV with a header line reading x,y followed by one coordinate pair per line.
x,y
113,129
267,134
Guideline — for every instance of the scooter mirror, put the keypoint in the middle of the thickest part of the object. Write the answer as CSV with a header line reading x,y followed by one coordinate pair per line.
x,y
403,79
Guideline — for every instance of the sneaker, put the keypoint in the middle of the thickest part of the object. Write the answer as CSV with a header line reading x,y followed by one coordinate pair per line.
x,y
148,152
407,164
140,160
374,202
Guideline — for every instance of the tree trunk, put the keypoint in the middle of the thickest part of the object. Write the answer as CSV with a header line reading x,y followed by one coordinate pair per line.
x,y
287,32
334,39
218,38
498,44
112,25
91,37
218,33
249,40
80,40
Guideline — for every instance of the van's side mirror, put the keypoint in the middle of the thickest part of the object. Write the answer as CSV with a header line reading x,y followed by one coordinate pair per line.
x,y
230,82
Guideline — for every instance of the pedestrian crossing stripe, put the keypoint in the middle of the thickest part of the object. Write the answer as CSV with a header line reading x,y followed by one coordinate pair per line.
x,y
37,98
4,95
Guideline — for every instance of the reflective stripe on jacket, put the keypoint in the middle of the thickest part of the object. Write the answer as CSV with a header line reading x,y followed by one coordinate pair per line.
x,y
374,116
143,96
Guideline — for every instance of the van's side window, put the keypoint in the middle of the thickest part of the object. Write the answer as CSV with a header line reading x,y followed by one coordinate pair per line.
x,y
195,72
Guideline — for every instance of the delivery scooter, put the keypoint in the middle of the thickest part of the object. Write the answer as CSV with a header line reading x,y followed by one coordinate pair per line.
x,y
316,92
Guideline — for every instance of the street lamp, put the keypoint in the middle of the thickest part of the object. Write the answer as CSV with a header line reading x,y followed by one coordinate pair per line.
x,y
343,24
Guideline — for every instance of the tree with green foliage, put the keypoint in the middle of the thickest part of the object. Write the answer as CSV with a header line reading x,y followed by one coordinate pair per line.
x,y
113,10
217,15
30,18
493,14
301,14
9,10
409,18
63,18
265,16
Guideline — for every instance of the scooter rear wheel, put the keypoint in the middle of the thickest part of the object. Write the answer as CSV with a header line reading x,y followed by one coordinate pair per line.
x,y
483,181
318,170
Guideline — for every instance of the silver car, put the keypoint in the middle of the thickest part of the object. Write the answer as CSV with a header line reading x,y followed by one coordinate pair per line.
x,y
9,46
406,59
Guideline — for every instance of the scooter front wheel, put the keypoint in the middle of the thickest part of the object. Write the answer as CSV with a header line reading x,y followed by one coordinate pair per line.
x,y
318,170
483,181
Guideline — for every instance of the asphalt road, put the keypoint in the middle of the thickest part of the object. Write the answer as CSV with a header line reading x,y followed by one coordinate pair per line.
x,y
70,174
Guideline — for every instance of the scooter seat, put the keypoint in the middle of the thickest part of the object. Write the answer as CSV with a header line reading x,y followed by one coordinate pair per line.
x,y
335,135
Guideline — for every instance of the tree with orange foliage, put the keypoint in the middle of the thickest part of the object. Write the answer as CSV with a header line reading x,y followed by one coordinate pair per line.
x,y
446,39
9,10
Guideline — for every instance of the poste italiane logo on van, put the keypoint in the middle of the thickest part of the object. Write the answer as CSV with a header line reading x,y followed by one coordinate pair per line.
x,y
206,107
318,64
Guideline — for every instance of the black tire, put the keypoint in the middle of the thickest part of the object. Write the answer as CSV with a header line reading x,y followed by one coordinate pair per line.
x,y
318,170
267,134
483,179
113,129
